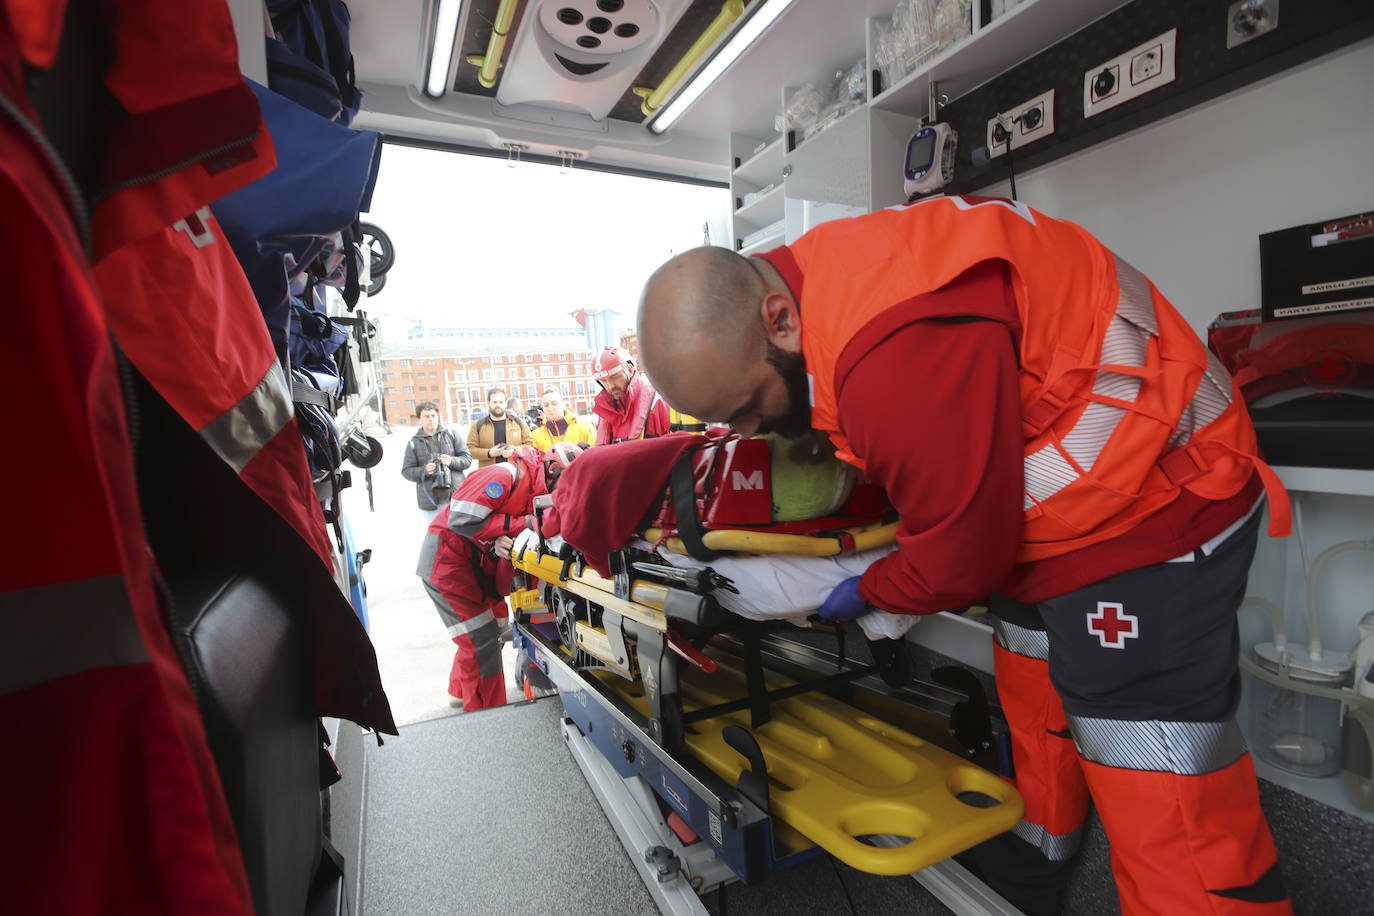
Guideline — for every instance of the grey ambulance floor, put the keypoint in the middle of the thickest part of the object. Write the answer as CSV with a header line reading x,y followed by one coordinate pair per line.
x,y
488,813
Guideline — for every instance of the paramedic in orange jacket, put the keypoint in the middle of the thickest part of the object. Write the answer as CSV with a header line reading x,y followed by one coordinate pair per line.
x,y
1070,448
464,564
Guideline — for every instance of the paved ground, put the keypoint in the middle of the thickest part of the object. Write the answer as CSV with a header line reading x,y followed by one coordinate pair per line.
x,y
413,651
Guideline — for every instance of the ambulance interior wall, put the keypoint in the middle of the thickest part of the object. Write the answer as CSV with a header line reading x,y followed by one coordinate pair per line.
x,y
1184,200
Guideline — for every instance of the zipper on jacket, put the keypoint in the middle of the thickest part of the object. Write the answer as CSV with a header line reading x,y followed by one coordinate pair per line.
x,y
76,203
176,167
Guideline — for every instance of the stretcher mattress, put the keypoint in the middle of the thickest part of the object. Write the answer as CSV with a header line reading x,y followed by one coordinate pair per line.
x,y
777,586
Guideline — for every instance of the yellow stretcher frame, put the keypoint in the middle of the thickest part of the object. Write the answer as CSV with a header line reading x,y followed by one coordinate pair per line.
x,y
837,773
740,540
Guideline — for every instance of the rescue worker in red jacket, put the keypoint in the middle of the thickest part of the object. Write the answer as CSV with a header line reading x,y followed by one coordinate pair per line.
x,y
628,407
1070,449
464,563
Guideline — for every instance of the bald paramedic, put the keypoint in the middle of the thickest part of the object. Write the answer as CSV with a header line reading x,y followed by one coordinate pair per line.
x,y
1068,447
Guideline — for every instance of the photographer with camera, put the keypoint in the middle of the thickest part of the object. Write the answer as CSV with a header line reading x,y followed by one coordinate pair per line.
x,y
435,460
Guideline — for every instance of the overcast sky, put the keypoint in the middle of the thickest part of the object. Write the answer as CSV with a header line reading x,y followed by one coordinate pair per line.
x,y
480,244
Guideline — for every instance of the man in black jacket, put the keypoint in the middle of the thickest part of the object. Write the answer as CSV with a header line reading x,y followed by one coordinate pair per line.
x,y
435,460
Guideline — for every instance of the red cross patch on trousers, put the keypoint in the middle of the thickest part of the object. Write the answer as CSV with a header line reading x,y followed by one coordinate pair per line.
x,y
1112,625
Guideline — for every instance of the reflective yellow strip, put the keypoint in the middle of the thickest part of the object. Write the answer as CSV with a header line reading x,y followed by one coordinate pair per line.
x,y
59,630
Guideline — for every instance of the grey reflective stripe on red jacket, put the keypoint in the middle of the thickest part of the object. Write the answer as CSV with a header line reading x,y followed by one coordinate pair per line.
x,y
55,631
1021,640
1125,344
1185,748
238,434
466,517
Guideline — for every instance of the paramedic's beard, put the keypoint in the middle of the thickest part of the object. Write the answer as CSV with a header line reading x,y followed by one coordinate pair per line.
x,y
792,368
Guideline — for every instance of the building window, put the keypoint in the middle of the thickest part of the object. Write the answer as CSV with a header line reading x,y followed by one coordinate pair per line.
x,y
546,371
562,370
410,403
385,364
564,388
532,390
392,404
486,375
388,376
408,389
405,362
501,373
433,374
431,362
581,388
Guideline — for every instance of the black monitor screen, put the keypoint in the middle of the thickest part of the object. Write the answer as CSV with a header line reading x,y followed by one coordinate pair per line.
x,y
918,152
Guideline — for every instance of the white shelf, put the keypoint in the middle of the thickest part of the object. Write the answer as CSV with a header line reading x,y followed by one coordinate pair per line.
x,y
1342,481
763,167
1021,33
772,240
765,209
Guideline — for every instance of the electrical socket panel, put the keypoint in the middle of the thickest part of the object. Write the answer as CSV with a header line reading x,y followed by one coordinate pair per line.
x,y
1026,123
1127,76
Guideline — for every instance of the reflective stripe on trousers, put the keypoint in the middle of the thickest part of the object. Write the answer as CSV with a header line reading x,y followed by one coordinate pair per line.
x,y
1044,757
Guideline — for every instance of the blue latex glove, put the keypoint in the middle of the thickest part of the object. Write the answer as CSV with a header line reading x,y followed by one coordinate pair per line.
x,y
843,602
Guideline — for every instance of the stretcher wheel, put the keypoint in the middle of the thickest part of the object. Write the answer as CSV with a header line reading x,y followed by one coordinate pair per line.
x,y
565,619
381,253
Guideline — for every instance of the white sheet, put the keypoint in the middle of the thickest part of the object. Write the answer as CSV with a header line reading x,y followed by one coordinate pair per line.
x,y
785,586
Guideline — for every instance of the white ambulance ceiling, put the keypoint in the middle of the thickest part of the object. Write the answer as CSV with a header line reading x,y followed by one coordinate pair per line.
x,y
811,41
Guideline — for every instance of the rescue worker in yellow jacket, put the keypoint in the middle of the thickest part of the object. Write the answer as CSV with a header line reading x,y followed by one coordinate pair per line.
x,y
561,423
1068,448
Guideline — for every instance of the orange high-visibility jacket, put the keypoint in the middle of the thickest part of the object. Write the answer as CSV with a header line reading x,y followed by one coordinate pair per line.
x,y
1122,406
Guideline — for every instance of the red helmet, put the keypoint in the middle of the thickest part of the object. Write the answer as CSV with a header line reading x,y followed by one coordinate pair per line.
x,y
610,361
558,458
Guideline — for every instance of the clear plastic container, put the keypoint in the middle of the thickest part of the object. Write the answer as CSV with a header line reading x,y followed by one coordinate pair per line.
x,y
1290,728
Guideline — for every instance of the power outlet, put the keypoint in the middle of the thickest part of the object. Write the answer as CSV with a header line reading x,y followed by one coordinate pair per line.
x,y
1022,125
1128,76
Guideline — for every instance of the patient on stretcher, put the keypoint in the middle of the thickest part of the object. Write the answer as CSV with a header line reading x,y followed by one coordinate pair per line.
x,y
782,519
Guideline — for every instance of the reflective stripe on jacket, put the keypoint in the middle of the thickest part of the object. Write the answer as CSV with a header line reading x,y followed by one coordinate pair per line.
x,y
1122,405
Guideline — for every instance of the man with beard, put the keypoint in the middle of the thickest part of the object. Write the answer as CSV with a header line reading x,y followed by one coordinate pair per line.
x,y
1068,451
628,407
495,437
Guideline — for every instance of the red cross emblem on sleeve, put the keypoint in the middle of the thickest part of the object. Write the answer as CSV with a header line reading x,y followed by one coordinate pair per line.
x,y
1112,625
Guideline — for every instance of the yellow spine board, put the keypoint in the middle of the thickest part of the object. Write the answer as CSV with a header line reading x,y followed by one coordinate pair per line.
x,y
525,599
594,642
739,541
593,587
837,773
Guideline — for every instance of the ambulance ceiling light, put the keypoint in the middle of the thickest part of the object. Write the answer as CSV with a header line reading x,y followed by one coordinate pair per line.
x,y
765,12
441,54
